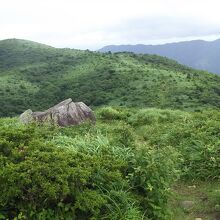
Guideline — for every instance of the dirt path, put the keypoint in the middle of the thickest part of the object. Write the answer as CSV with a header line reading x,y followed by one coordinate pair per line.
x,y
191,201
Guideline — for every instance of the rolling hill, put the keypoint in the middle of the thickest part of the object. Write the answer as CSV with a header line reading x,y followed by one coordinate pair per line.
x,y
38,76
143,159
197,54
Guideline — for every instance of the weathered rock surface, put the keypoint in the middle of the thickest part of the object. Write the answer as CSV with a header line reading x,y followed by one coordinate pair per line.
x,y
26,117
65,113
187,204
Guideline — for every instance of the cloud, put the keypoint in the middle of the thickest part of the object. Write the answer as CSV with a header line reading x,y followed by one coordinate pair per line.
x,y
93,24
152,28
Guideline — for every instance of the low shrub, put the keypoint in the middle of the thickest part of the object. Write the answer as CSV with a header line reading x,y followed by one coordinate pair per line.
x,y
152,116
196,138
110,113
118,169
57,176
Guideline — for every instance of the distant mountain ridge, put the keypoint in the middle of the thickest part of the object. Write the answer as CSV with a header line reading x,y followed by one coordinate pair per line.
x,y
199,54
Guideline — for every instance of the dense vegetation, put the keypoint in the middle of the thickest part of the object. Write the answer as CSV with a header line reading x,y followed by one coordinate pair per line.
x,y
158,126
37,76
127,162
197,54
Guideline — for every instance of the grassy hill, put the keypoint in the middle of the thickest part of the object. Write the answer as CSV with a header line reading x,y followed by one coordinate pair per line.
x,y
36,76
197,54
142,159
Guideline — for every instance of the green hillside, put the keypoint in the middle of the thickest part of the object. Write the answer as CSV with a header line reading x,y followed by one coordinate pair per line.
x,y
36,76
155,145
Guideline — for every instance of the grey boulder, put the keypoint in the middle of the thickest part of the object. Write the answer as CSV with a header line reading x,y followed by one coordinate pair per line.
x,y
65,113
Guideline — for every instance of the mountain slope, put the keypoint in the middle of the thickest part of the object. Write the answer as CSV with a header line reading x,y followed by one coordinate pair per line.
x,y
197,54
37,76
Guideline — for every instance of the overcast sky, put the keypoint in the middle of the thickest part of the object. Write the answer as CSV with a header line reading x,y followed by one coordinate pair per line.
x,y
93,24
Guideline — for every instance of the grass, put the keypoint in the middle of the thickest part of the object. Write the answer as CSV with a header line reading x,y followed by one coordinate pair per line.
x,y
160,123
130,161
203,194
121,79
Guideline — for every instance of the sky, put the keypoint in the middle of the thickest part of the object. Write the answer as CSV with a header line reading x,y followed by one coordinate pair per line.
x,y
92,24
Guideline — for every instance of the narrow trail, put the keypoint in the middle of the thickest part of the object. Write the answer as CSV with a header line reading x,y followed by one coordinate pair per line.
x,y
196,201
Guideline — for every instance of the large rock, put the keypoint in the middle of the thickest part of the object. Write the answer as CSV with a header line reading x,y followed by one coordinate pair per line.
x,y
65,113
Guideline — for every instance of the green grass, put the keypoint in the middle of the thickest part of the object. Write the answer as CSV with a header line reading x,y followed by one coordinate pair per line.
x,y
203,194
157,133
36,76
137,163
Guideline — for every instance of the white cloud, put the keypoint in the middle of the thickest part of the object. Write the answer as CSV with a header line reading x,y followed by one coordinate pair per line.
x,y
95,23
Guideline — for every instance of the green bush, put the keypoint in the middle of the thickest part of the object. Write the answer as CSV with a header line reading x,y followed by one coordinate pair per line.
x,y
128,164
110,113
195,136
48,175
154,116
153,172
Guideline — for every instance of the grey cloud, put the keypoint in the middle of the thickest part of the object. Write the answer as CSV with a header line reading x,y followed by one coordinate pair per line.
x,y
152,28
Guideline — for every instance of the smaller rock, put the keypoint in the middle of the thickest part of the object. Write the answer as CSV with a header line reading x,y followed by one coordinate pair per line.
x,y
187,204
192,187
198,218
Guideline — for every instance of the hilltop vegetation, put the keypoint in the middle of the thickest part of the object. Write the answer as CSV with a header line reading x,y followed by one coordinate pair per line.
x,y
197,54
128,162
36,76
